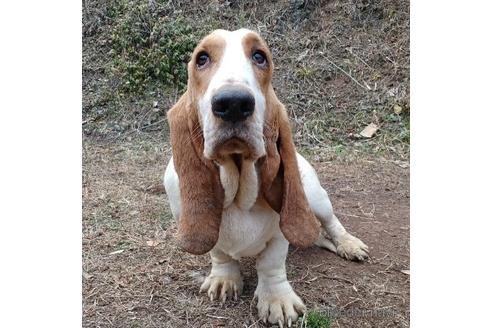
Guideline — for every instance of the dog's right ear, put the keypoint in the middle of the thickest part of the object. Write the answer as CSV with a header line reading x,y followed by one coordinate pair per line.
x,y
202,194
281,181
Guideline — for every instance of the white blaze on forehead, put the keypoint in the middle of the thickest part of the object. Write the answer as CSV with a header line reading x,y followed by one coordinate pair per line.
x,y
234,66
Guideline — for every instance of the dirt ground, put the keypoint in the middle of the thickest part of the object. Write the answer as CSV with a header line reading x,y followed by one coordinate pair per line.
x,y
134,275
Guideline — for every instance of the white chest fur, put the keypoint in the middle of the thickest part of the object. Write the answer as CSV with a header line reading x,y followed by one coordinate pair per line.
x,y
247,225
246,232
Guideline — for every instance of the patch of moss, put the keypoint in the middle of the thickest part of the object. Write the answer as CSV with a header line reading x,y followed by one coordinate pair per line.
x,y
315,319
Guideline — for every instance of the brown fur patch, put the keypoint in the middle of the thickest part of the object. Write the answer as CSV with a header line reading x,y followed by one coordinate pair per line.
x,y
281,182
199,79
202,195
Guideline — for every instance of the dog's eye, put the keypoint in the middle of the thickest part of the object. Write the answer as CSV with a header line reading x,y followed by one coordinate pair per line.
x,y
259,58
202,59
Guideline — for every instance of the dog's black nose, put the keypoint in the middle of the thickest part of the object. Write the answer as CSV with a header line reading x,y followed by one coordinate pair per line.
x,y
233,104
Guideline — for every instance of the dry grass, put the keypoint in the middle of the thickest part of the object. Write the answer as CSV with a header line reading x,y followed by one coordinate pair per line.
x,y
340,65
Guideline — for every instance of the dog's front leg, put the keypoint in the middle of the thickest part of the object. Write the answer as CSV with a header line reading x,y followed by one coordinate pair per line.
x,y
277,301
225,279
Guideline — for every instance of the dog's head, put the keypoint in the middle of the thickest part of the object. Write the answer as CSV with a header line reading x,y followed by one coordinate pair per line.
x,y
229,80
230,109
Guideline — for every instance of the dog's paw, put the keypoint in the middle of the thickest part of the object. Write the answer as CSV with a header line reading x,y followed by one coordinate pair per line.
x,y
222,287
279,308
351,248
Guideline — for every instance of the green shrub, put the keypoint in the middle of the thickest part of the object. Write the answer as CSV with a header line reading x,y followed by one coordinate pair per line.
x,y
149,47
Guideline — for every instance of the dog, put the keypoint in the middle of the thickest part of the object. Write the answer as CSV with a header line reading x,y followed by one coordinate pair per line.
x,y
235,182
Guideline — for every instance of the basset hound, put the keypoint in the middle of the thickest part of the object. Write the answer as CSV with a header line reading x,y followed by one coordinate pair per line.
x,y
235,182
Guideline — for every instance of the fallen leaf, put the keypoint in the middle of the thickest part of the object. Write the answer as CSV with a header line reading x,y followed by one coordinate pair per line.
x,y
86,275
397,109
402,164
301,56
407,272
153,243
369,130
120,281
117,252
156,189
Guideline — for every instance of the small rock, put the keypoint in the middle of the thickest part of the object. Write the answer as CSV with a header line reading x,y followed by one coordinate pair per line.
x,y
397,109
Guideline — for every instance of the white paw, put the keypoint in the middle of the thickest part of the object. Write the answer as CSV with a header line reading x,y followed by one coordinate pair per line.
x,y
222,287
351,248
279,308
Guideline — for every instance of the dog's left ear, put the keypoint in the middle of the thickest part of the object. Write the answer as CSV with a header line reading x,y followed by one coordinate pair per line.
x,y
281,181
202,195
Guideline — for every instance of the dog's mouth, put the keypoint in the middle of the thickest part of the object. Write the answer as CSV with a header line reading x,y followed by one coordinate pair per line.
x,y
235,147
229,141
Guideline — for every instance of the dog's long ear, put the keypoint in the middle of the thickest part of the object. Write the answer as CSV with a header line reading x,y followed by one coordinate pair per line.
x,y
202,195
284,191
271,178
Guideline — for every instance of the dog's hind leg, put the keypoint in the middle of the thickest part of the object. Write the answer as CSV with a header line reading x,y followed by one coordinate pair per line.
x,y
335,238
